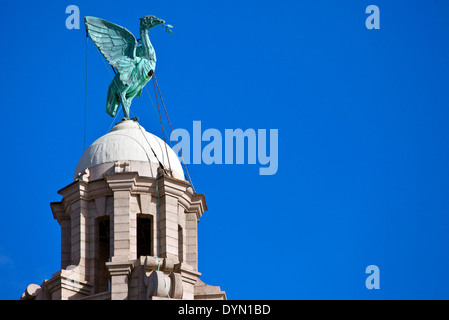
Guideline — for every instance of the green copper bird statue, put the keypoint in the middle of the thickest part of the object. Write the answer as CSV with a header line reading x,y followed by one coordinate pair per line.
x,y
135,63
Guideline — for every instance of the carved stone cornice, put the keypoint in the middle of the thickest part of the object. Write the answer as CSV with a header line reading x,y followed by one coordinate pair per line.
x,y
197,205
188,274
172,187
119,268
123,181
74,191
59,212
63,280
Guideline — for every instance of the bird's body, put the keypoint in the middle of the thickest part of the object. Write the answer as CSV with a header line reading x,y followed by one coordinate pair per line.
x,y
117,88
135,63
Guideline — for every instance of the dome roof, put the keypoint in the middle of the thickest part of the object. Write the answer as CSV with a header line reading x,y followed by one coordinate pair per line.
x,y
128,141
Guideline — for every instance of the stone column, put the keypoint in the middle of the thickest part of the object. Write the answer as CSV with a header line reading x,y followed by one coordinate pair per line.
x,y
193,214
170,191
169,228
63,219
79,231
121,224
191,240
121,184
74,226
119,273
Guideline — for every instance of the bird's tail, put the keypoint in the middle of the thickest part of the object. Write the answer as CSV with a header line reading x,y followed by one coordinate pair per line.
x,y
112,102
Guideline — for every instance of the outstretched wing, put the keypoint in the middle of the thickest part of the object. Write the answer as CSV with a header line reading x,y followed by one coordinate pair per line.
x,y
116,43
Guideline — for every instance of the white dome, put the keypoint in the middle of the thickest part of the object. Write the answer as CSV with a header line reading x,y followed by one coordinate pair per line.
x,y
128,141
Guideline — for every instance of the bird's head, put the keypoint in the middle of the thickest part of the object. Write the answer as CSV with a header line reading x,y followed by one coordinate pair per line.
x,y
150,21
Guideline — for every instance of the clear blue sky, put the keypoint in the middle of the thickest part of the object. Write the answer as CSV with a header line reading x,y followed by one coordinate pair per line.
x,y
363,138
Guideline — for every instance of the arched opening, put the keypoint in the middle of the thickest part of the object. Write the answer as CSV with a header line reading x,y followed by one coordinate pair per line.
x,y
103,256
180,244
144,236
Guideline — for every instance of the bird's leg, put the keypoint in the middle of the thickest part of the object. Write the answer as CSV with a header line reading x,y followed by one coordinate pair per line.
x,y
125,106
126,112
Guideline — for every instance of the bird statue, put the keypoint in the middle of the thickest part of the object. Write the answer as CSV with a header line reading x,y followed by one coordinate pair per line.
x,y
134,63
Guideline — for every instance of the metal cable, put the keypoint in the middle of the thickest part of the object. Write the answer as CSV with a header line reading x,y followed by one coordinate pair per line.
x,y
171,127
162,126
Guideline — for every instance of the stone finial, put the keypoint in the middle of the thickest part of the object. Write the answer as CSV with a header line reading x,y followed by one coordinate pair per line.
x,y
121,166
84,175
31,292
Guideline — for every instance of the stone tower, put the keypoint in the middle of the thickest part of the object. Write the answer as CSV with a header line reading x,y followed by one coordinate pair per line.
x,y
128,225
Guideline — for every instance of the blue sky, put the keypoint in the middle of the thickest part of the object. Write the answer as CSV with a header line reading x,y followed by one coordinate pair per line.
x,y
363,129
